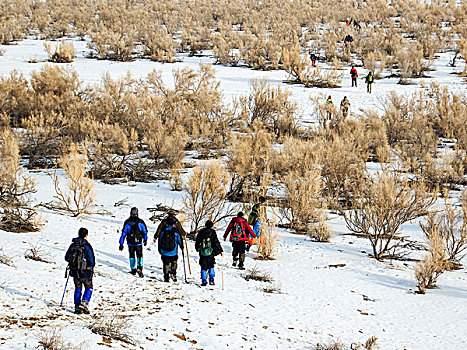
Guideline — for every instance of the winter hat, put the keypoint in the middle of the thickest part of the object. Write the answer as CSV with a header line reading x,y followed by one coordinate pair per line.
x,y
134,211
171,220
209,224
240,214
172,212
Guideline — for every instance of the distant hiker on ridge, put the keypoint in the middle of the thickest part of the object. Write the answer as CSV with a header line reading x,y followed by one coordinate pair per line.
x,y
345,104
254,220
354,76
208,246
239,231
136,234
369,82
81,261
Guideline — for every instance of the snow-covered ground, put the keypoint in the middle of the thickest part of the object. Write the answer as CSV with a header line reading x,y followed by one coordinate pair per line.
x,y
316,303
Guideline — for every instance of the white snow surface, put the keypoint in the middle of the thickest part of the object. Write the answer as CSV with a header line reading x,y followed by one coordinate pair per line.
x,y
316,303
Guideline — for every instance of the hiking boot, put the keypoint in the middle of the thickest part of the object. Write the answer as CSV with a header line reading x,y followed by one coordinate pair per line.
x,y
241,267
84,307
234,263
133,272
204,283
140,273
166,278
78,310
211,283
174,278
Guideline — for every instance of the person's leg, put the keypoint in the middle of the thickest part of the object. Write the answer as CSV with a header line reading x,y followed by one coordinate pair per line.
x,y
165,267
132,252
234,253
173,268
139,260
212,274
371,85
87,294
77,296
204,277
241,251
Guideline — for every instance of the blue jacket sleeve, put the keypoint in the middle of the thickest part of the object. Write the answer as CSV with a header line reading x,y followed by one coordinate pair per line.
x,y
179,242
89,255
125,231
143,228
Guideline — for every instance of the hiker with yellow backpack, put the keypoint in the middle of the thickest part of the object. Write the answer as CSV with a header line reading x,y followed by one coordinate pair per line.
x,y
208,246
254,220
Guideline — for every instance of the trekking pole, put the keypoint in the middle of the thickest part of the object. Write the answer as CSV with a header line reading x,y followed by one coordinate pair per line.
x,y
222,275
187,254
184,269
66,283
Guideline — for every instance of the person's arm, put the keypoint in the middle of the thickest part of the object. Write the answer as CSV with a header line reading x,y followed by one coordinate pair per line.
x,y
249,230
228,229
159,230
67,254
198,241
142,227
217,245
180,229
125,231
89,255
179,241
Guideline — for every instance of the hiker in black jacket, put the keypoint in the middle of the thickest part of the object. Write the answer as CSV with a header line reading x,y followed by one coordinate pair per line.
x,y
208,246
81,261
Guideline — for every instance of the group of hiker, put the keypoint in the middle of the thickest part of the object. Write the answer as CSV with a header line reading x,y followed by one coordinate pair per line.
x,y
369,79
169,236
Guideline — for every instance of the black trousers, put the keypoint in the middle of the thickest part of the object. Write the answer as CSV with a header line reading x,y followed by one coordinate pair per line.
x,y
354,81
207,262
80,281
169,265
238,251
135,250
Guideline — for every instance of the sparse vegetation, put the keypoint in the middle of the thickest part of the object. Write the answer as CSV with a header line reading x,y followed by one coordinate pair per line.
x,y
52,339
113,326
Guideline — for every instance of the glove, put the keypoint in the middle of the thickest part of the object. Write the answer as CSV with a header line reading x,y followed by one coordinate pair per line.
x,y
145,243
120,247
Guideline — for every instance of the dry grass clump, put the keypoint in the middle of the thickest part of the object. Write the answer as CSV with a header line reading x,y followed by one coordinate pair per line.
x,y
36,253
272,288
64,52
113,326
382,205
5,259
52,339
256,275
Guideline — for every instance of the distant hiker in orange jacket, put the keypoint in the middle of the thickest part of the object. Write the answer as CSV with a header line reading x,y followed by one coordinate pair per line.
x,y
354,76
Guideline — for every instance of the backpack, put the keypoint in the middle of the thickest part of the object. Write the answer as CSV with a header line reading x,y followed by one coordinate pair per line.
x,y
135,236
206,248
168,240
76,260
238,232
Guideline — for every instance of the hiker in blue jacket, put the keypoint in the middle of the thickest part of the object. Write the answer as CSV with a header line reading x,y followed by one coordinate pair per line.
x,y
169,241
136,234
81,262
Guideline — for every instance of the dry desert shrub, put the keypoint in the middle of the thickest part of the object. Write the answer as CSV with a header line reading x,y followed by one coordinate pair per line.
x,y
13,20
16,188
5,259
78,196
249,160
267,243
15,97
269,108
303,207
64,52
205,195
382,205
433,265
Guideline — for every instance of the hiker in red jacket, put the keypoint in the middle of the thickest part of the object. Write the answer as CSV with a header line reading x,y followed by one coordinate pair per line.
x,y
354,76
240,233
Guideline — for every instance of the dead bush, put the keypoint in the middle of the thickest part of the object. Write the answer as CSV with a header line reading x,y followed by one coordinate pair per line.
x,y
332,345
16,188
256,275
64,52
52,339
411,62
269,108
451,228
383,204
78,197
249,160
36,253
304,208
113,326
5,259
272,288
433,265
301,71
205,195
267,242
